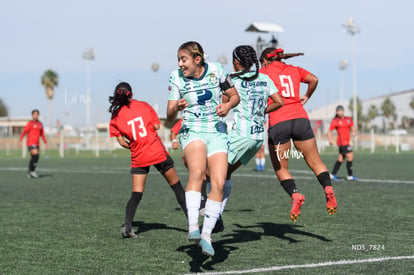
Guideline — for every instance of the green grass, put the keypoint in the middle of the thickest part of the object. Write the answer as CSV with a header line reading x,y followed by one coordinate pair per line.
x,y
68,220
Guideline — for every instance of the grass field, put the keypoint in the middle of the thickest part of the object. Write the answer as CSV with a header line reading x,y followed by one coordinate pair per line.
x,y
68,221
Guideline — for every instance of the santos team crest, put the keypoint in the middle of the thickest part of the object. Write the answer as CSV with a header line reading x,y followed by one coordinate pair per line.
x,y
212,79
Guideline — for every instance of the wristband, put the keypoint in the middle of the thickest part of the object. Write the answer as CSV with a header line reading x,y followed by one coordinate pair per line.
x,y
174,140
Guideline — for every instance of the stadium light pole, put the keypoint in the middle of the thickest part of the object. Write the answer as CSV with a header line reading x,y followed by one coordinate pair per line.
x,y
351,28
343,64
155,67
88,55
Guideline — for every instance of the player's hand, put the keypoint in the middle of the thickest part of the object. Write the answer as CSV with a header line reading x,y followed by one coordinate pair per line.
x,y
47,146
20,144
304,99
182,104
331,142
175,145
223,109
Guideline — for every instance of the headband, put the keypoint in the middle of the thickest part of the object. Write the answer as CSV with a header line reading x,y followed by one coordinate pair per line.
x,y
275,53
120,91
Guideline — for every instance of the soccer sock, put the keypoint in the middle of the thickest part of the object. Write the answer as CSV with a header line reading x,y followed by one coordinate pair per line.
x,y
33,162
131,207
210,218
193,199
180,195
324,179
226,195
257,164
262,163
336,167
289,186
349,168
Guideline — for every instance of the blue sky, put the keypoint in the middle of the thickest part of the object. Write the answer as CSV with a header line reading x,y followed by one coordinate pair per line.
x,y
128,36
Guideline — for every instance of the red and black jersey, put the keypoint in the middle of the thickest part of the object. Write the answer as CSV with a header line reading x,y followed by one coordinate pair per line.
x,y
176,128
287,79
136,122
34,130
343,128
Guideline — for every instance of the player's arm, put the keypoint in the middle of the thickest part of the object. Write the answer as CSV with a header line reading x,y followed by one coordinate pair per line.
x,y
312,82
122,142
173,107
25,131
174,140
330,137
42,134
276,104
353,131
233,99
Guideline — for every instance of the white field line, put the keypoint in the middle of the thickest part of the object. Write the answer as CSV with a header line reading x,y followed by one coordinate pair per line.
x,y
322,264
183,172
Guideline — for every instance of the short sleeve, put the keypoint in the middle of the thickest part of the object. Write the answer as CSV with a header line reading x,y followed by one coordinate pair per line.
x,y
272,87
173,87
332,126
303,73
113,129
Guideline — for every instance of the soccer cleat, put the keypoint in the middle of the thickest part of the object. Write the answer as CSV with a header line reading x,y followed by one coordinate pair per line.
x,y
298,200
206,248
353,178
334,177
331,204
194,236
32,174
219,227
126,231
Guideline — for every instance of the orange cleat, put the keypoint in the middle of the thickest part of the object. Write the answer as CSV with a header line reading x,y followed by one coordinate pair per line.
x,y
298,200
331,204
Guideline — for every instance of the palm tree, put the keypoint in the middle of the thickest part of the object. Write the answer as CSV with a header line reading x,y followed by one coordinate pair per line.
x,y
359,111
50,81
388,108
372,113
4,111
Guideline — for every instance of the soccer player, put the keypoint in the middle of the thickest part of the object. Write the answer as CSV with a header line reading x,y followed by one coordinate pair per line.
x,y
291,122
343,126
34,130
135,123
196,88
174,133
247,133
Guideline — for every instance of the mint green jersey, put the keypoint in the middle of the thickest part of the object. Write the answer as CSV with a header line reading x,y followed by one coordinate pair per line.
x,y
249,115
204,95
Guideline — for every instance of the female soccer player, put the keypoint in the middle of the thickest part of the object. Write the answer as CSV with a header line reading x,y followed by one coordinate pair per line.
x,y
343,126
247,133
134,123
197,88
292,122
34,130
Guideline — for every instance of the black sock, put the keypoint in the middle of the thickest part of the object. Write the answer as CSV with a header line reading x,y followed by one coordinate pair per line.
x,y
203,194
180,195
349,168
33,162
289,186
131,207
336,167
324,179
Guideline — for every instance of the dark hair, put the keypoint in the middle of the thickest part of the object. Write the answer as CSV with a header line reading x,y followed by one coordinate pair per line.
x,y
121,97
35,111
246,55
195,49
339,107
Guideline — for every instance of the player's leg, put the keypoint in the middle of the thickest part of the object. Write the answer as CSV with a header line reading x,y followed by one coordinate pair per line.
x,y
217,164
278,155
349,164
139,175
195,153
310,152
166,168
336,167
34,159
